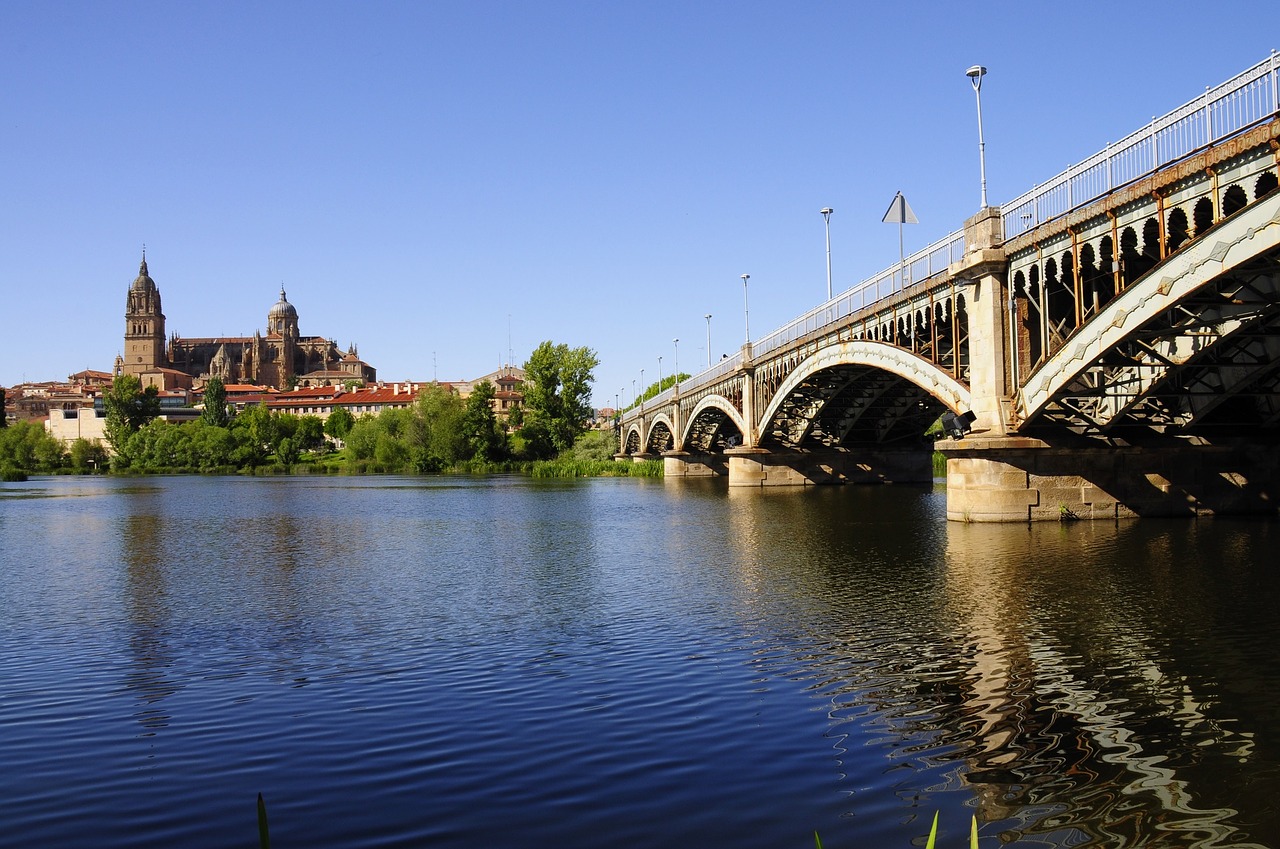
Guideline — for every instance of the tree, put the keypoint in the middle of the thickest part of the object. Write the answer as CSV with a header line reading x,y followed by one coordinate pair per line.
x,y
434,431
485,438
257,434
557,385
128,407
339,423
215,403
27,446
3,421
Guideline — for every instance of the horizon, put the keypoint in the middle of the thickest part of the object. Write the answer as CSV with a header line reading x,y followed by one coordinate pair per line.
x,y
446,187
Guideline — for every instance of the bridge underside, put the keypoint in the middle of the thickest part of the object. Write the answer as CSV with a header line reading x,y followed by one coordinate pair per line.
x,y
1203,361
1166,403
851,407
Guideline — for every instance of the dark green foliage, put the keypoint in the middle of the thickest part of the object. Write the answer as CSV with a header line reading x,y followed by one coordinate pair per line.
x,y
485,437
87,457
339,423
28,447
215,403
128,407
557,386
3,421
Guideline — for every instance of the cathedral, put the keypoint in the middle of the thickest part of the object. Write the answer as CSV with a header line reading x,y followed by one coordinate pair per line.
x,y
280,359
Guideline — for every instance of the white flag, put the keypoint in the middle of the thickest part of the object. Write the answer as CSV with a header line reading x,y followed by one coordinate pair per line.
x,y
900,212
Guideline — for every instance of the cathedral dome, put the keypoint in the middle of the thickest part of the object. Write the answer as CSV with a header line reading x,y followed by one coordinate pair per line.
x,y
143,282
282,309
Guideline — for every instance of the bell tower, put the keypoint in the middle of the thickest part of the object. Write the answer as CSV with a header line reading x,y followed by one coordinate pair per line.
x,y
144,348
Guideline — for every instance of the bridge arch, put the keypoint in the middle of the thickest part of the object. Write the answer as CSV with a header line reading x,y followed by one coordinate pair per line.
x,y
861,391
661,435
633,439
705,427
1218,293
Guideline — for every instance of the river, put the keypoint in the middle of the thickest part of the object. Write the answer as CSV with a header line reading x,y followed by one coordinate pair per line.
x,y
467,662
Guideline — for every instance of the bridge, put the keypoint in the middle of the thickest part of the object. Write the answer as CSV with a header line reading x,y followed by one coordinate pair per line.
x,y
1105,345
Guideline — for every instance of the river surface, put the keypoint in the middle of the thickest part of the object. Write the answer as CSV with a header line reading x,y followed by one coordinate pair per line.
x,y
474,662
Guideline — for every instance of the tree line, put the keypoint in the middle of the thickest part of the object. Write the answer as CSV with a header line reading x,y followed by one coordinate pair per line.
x,y
439,431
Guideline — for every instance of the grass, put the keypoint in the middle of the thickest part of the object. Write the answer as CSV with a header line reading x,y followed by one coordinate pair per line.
x,y
933,834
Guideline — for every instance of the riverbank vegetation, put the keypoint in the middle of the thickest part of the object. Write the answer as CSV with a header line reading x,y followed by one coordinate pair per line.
x,y
440,432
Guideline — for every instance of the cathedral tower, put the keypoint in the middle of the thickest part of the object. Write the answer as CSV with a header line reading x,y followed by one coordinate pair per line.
x,y
144,348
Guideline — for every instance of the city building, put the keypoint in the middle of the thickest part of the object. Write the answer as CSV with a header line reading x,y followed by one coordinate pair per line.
x,y
278,359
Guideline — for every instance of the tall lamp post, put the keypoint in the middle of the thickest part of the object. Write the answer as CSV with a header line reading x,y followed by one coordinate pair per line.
x,y
826,216
659,372
975,75
746,313
708,318
675,360
634,396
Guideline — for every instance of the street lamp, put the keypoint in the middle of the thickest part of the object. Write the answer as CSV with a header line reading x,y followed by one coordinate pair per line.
x,y
659,372
675,361
708,318
634,396
975,75
746,314
826,216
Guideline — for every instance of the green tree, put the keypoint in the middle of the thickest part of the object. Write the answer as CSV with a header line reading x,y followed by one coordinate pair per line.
x,y
435,435
483,433
557,385
309,433
339,423
215,403
128,407
87,456
27,446
3,421
257,434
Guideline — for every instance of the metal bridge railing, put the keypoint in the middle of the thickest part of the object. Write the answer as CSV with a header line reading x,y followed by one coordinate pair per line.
x,y
921,265
1248,98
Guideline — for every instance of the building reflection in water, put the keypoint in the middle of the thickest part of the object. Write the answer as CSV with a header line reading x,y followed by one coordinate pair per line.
x,y
142,543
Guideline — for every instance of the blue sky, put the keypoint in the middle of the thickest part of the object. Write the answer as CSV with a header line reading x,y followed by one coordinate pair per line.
x,y
438,182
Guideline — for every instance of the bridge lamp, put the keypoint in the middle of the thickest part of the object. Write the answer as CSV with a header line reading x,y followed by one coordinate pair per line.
x,y
975,75
675,360
708,318
826,215
958,426
746,314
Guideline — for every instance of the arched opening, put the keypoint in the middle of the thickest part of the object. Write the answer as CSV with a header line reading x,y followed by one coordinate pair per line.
x,y
1202,215
660,439
1130,259
1105,285
1233,200
1058,303
1266,183
1178,230
1089,275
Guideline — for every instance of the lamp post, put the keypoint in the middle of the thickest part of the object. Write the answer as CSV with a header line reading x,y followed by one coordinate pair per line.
x,y
975,75
634,396
708,318
659,372
675,362
746,313
826,216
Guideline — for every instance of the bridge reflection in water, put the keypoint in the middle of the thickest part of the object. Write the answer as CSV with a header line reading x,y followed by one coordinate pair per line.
x,y
1114,335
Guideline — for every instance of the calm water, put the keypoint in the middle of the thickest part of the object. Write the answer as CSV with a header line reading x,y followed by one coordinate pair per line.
x,y
507,662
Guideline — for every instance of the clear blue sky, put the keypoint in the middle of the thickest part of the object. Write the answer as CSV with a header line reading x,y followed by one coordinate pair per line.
x,y
422,176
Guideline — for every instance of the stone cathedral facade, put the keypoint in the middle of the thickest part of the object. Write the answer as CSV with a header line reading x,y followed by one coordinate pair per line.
x,y
280,358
